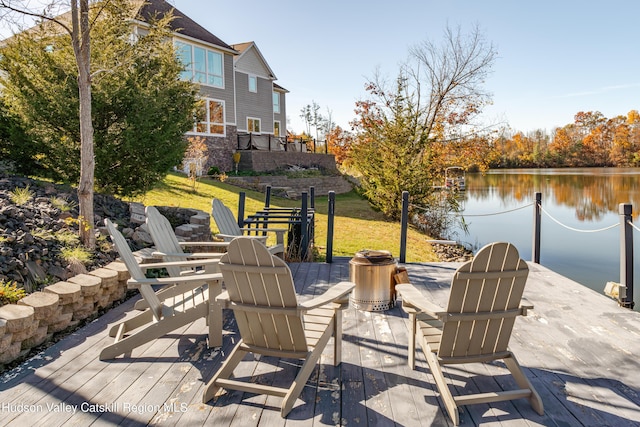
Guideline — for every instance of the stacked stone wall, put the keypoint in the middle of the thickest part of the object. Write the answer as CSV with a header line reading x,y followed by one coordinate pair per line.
x,y
63,305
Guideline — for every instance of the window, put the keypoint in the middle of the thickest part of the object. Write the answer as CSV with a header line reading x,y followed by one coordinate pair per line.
x,y
276,102
200,65
253,125
253,84
276,128
211,119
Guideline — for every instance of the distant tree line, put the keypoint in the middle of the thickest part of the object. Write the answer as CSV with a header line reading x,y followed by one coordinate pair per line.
x,y
591,140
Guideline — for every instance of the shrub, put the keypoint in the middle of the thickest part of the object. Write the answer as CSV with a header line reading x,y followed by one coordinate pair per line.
x,y
20,196
10,293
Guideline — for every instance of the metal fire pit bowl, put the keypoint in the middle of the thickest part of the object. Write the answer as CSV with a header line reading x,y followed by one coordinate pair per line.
x,y
372,272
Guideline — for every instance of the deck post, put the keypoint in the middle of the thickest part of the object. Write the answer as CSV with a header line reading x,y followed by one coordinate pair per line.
x,y
537,214
312,192
330,214
404,222
304,241
267,196
241,200
626,253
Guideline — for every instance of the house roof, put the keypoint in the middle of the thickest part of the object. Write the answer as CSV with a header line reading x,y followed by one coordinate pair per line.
x,y
181,23
280,88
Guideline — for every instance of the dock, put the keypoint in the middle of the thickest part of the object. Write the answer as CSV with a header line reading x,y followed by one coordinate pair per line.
x,y
578,347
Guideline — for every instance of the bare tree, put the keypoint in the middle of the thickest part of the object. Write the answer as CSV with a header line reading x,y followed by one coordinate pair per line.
x,y
449,77
78,29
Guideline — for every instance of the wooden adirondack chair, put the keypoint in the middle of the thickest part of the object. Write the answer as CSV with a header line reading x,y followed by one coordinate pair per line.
x,y
272,322
171,250
476,326
229,228
186,298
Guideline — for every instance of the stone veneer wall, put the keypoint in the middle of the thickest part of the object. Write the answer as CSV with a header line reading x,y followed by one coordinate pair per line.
x,y
266,161
63,305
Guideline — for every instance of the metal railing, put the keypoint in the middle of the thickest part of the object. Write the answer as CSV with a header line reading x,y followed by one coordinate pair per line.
x,y
268,142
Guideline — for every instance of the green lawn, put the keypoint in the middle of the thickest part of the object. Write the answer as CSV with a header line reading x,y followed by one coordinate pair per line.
x,y
356,225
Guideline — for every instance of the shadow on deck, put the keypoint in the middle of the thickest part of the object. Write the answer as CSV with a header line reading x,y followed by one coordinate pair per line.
x,y
578,348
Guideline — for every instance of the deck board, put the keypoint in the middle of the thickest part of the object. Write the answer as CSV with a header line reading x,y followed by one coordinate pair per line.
x,y
578,348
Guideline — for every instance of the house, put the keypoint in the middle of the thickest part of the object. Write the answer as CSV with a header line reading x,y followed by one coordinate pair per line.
x,y
236,83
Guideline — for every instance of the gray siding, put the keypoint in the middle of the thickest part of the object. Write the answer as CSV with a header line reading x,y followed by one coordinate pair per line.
x,y
251,104
282,115
251,63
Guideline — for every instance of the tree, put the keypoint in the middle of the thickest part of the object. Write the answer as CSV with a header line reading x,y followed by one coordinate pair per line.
x,y
79,31
141,109
339,143
403,128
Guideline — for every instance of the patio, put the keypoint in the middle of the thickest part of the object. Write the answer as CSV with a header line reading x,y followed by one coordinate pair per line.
x,y
578,347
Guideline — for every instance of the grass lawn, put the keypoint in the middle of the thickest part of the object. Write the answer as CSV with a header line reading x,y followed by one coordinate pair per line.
x,y
356,225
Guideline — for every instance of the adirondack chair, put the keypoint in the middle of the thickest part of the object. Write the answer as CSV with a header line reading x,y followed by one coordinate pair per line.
x,y
171,250
476,326
272,322
229,228
188,298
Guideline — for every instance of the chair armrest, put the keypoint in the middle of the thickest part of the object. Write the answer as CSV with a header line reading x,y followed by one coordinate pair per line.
x,y
186,264
412,298
336,293
163,281
231,237
187,255
279,233
210,244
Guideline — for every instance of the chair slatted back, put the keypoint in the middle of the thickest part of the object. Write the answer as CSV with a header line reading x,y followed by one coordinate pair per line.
x,y
134,269
164,237
224,219
484,302
263,297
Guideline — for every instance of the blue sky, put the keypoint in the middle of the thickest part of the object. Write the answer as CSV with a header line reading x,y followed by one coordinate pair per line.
x,y
555,58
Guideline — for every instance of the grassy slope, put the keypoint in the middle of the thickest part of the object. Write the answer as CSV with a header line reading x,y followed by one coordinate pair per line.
x,y
356,225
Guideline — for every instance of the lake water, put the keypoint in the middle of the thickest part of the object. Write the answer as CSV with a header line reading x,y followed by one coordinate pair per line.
x,y
586,199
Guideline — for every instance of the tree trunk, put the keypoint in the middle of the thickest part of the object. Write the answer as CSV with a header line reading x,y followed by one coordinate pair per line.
x,y
81,46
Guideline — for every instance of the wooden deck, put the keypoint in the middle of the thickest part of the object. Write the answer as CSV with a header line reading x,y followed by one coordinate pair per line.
x,y
580,350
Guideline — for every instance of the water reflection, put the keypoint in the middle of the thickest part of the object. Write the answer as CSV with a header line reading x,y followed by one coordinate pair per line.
x,y
591,192
584,199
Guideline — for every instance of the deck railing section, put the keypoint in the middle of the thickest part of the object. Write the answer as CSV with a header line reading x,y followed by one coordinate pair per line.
x,y
624,289
268,142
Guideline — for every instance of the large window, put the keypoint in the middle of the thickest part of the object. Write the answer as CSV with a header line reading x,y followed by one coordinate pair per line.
x,y
253,125
201,65
276,102
211,120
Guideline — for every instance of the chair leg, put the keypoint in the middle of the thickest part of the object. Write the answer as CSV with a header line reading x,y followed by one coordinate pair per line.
x,y
337,337
441,383
225,371
412,340
130,324
152,332
524,383
214,318
304,373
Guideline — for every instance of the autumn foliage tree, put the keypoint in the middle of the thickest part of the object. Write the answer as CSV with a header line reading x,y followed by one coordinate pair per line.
x,y
403,126
339,142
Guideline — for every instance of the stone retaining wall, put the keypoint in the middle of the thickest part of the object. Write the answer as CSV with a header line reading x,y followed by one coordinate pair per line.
x,y
322,184
63,305
265,161
36,317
